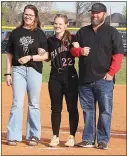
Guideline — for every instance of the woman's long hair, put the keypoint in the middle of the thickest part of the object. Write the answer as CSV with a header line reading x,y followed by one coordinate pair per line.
x,y
37,23
66,38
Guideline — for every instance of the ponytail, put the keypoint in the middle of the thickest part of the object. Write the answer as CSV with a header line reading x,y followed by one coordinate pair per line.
x,y
66,39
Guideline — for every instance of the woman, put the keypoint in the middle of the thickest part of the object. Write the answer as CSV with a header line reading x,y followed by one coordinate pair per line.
x,y
26,64
63,80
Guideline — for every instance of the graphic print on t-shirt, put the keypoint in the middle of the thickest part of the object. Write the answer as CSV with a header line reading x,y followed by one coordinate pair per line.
x,y
25,41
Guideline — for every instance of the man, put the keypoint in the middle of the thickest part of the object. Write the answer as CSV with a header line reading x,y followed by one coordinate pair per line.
x,y
96,73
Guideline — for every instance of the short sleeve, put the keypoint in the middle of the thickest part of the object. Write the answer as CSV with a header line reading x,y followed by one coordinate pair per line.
x,y
49,42
117,43
74,38
43,41
78,36
9,47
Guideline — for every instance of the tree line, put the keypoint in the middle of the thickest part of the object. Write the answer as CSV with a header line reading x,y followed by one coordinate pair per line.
x,y
11,12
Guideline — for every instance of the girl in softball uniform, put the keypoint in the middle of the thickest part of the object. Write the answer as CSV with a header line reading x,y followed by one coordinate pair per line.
x,y
63,80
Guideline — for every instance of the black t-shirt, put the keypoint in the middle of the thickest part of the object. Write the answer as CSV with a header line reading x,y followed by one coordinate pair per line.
x,y
62,62
23,42
103,43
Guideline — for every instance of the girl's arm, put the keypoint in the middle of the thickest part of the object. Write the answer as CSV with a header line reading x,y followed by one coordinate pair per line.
x,y
77,51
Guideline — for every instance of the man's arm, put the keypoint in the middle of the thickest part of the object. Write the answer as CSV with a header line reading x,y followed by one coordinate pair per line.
x,y
117,55
116,64
77,51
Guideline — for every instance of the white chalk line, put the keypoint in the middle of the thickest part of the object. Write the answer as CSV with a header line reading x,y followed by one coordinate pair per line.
x,y
119,134
49,148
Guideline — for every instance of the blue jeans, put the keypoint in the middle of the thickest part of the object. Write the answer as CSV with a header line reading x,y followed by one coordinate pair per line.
x,y
25,78
102,92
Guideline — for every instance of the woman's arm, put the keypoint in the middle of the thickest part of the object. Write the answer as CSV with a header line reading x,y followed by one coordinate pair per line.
x,y
8,69
9,62
38,57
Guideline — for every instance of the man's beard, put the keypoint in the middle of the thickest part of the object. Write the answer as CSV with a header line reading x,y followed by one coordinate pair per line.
x,y
97,21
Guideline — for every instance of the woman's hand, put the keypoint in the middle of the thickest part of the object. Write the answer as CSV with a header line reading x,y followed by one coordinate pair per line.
x,y
24,59
76,44
8,80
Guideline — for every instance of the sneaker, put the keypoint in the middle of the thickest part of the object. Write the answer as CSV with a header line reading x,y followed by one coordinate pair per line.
x,y
70,141
54,141
86,144
102,145
12,142
34,141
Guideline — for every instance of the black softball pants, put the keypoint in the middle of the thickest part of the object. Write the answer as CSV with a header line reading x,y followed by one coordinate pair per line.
x,y
57,90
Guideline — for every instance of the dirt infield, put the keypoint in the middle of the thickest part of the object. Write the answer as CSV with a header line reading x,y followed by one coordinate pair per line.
x,y
117,144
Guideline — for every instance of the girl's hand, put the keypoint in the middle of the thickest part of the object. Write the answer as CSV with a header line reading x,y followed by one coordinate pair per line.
x,y
85,51
8,80
24,59
76,44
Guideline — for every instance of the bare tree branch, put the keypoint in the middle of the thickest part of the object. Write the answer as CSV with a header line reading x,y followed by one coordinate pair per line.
x,y
14,9
82,8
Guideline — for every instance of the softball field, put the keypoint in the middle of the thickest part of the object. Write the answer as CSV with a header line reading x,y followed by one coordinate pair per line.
x,y
117,144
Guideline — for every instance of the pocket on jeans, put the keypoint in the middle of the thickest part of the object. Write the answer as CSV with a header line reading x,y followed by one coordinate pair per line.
x,y
14,68
108,80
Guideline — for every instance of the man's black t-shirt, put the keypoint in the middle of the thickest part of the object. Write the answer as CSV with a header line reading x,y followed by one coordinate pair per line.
x,y
23,42
62,62
104,43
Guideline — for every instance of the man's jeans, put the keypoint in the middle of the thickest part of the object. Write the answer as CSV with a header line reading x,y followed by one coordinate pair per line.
x,y
102,92
25,78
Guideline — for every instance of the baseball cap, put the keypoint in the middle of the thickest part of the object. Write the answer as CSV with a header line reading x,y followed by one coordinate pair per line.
x,y
98,7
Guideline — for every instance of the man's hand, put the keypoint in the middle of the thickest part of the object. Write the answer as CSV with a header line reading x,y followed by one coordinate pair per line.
x,y
108,77
24,59
85,51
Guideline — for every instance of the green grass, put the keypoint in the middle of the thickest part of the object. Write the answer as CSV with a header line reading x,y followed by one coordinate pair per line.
x,y
120,76
3,66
